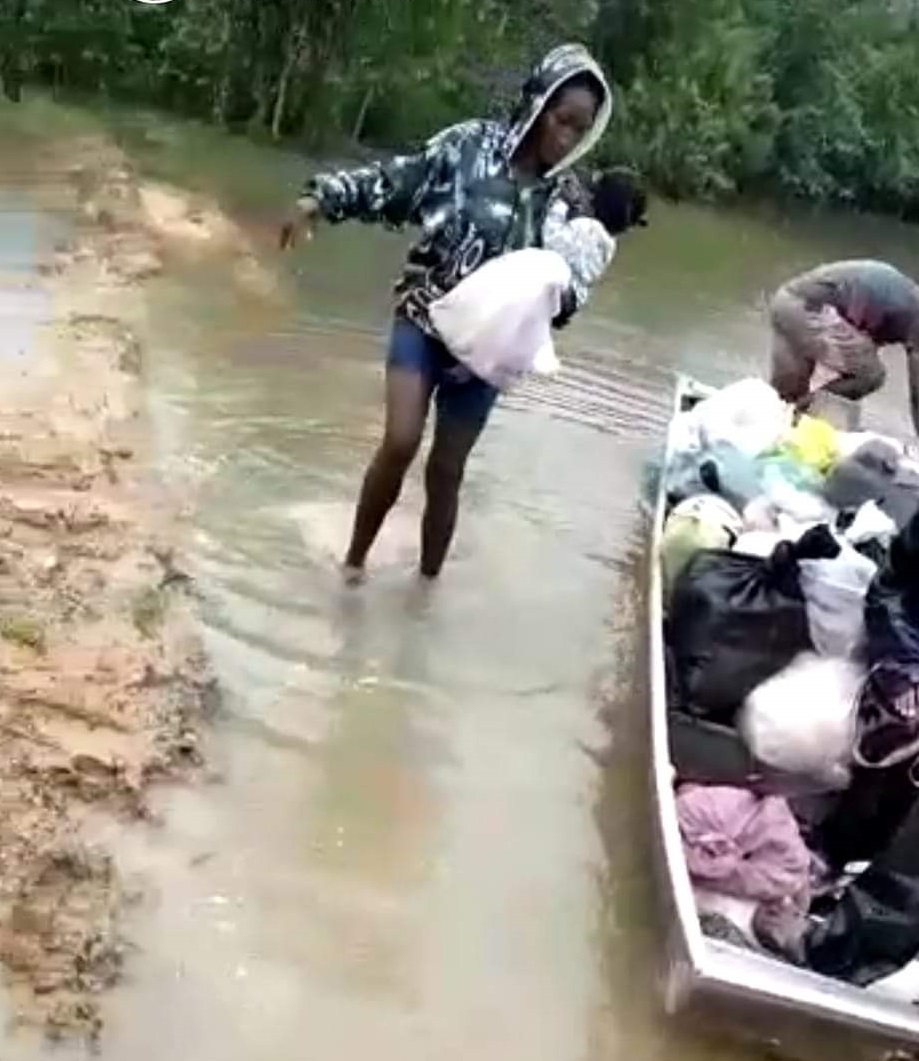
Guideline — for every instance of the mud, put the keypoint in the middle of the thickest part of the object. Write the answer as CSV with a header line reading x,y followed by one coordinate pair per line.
x,y
103,685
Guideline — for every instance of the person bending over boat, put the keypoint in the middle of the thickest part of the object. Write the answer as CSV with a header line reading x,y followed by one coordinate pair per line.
x,y
828,325
476,190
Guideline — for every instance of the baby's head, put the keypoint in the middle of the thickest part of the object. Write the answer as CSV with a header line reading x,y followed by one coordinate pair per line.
x,y
618,199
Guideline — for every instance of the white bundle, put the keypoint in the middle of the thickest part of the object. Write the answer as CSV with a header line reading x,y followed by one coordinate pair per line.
x,y
802,721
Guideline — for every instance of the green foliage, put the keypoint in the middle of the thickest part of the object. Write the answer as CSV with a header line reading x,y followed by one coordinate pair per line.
x,y
311,69
812,98
698,116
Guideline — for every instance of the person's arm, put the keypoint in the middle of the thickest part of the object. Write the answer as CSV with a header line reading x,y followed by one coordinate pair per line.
x,y
568,309
587,250
384,192
558,215
300,221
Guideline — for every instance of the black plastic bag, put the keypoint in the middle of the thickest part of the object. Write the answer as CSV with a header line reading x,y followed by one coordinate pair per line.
x,y
888,708
866,816
892,602
708,754
874,928
736,620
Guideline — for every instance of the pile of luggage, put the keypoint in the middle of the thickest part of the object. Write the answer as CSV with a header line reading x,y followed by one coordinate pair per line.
x,y
790,559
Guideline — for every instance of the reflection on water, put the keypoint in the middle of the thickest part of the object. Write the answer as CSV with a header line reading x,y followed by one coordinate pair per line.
x,y
408,848
24,304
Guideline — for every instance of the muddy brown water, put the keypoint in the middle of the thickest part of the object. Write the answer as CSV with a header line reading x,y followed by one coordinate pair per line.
x,y
428,832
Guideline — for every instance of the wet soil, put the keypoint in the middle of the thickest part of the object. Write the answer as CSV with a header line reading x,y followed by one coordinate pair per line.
x,y
103,683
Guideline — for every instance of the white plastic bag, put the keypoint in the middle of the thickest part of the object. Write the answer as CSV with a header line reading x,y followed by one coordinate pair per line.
x,y
761,515
758,542
849,442
870,522
684,434
800,504
498,320
761,541
749,414
802,721
834,592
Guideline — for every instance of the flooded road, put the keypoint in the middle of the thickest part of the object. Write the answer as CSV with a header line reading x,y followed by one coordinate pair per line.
x,y
426,834
402,858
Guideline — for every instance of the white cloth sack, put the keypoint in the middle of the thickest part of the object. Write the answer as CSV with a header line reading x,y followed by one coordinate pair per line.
x,y
802,721
834,593
498,320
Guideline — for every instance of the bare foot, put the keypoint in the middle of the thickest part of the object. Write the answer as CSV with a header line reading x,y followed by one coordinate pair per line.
x,y
353,576
420,596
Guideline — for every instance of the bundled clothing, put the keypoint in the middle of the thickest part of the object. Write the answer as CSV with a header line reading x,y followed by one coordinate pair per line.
x,y
742,844
747,846
584,245
498,321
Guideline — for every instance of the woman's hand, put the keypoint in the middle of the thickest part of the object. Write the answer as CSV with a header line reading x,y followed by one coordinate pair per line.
x,y
301,222
567,310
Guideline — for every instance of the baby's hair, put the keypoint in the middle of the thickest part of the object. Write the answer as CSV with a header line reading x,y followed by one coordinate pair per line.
x,y
618,199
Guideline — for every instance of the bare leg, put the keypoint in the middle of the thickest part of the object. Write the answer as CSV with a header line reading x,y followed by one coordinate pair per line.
x,y
791,369
443,476
408,395
858,386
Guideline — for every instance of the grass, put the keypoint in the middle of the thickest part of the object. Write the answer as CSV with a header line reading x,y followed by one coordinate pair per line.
x,y
241,173
39,117
24,630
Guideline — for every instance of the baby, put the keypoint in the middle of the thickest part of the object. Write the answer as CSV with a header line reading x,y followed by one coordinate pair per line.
x,y
588,244
498,321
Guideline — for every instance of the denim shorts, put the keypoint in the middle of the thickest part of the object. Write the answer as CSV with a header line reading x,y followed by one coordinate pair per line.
x,y
459,394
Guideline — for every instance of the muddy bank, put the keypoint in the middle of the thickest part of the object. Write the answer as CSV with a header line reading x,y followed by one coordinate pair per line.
x,y
103,686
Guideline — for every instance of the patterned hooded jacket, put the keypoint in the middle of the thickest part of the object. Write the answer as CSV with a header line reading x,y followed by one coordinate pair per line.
x,y
461,192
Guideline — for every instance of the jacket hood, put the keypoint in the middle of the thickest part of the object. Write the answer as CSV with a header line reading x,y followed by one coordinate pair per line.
x,y
560,65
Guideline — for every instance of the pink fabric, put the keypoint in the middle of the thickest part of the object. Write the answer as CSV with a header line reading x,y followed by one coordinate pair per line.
x,y
741,844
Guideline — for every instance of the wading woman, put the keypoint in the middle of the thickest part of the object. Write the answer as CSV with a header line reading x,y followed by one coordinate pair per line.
x,y
476,191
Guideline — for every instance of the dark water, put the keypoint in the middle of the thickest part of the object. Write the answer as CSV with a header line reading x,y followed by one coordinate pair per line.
x,y
429,835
